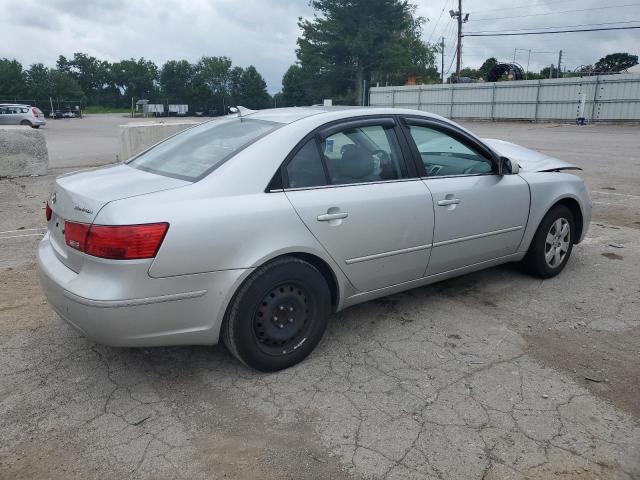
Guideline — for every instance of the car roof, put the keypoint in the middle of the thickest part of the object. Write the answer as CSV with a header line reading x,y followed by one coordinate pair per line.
x,y
292,114
14,105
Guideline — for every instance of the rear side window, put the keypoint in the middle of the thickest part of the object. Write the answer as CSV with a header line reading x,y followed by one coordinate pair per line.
x,y
363,154
196,152
305,168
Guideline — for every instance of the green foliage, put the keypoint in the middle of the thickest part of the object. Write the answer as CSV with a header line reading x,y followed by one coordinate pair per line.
x,y
351,41
486,67
480,73
63,86
89,72
297,88
101,109
12,79
213,83
176,80
252,90
136,78
38,81
615,63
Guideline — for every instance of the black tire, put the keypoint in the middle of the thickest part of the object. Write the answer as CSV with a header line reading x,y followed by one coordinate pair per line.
x,y
535,262
35,126
26,122
278,315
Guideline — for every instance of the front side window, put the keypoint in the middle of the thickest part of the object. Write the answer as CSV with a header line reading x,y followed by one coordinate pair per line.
x,y
443,155
194,153
363,154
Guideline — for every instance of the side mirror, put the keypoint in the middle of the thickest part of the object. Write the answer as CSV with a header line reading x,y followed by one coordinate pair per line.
x,y
508,166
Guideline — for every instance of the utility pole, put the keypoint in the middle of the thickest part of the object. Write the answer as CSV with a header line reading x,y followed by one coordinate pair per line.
x,y
442,55
559,63
459,38
461,18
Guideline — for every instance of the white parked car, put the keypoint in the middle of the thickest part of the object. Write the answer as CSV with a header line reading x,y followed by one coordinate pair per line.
x,y
253,229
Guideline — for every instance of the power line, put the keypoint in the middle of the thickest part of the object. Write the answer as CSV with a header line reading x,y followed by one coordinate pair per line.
x,y
546,33
558,26
556,13
438,21
523,6
453,57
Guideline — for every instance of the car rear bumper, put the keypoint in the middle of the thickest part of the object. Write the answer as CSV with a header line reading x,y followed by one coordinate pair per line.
x,y
183,310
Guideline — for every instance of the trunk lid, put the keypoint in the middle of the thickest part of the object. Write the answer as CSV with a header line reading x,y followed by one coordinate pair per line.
x,y
529,160
78,197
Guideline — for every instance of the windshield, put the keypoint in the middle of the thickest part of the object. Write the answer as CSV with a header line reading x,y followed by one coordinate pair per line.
x,y
196,152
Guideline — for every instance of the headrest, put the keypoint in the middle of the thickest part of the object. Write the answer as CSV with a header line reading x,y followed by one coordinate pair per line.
x,y
356,163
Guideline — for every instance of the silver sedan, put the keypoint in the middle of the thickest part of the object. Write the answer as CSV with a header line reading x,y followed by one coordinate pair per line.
x,y
253,229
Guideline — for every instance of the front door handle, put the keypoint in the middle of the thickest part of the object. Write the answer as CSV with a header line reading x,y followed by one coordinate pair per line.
x,y
327,217
448,201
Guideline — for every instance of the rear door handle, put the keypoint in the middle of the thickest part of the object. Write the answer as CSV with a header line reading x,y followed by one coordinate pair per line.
x,y
327,217
448,201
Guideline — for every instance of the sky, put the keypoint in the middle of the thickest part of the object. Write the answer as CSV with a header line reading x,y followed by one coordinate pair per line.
x,y
264,32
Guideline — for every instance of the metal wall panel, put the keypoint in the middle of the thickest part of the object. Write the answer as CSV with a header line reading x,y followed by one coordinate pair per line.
x,y
597,98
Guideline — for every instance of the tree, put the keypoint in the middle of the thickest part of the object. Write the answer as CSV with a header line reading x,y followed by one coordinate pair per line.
x,y
253,90
92,74
176,81
486,67
63,86
615,63
136,78
352,41
480,73
297,88
235,86
38,82
211,82
12,79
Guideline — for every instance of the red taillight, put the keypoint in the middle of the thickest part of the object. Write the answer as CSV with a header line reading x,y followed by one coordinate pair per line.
x,y
48,212
75,235
122,242
34,111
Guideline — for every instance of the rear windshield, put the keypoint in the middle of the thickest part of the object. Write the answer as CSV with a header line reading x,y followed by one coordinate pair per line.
x,y
196,152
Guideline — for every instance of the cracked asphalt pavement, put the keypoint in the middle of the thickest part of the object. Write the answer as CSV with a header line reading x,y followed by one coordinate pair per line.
x,y
494,375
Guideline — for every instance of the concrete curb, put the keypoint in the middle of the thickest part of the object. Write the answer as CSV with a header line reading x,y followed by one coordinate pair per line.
x,y
137,137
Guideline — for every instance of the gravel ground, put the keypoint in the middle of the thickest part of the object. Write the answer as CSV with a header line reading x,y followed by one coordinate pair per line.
x,y
494,375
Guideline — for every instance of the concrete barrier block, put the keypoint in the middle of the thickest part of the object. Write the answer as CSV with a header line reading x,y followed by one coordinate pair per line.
x,y
137,137
23,152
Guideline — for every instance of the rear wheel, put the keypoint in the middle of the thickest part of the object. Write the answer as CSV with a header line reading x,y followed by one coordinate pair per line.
x,y
552,244
278,315
26,122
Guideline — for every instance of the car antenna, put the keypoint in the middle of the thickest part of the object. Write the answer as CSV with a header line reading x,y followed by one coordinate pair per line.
x,y
241,111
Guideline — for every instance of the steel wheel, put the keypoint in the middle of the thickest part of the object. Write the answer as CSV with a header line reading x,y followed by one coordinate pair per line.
x,y
281,322
557,242
278,315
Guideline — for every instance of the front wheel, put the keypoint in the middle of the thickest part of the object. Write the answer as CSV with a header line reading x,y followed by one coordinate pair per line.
x,y
552,244
278,315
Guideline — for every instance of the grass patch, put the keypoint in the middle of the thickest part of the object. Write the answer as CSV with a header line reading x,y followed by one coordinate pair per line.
x,y
100,109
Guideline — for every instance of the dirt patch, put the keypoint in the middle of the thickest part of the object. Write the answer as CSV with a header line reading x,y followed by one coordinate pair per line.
x,y
588,357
